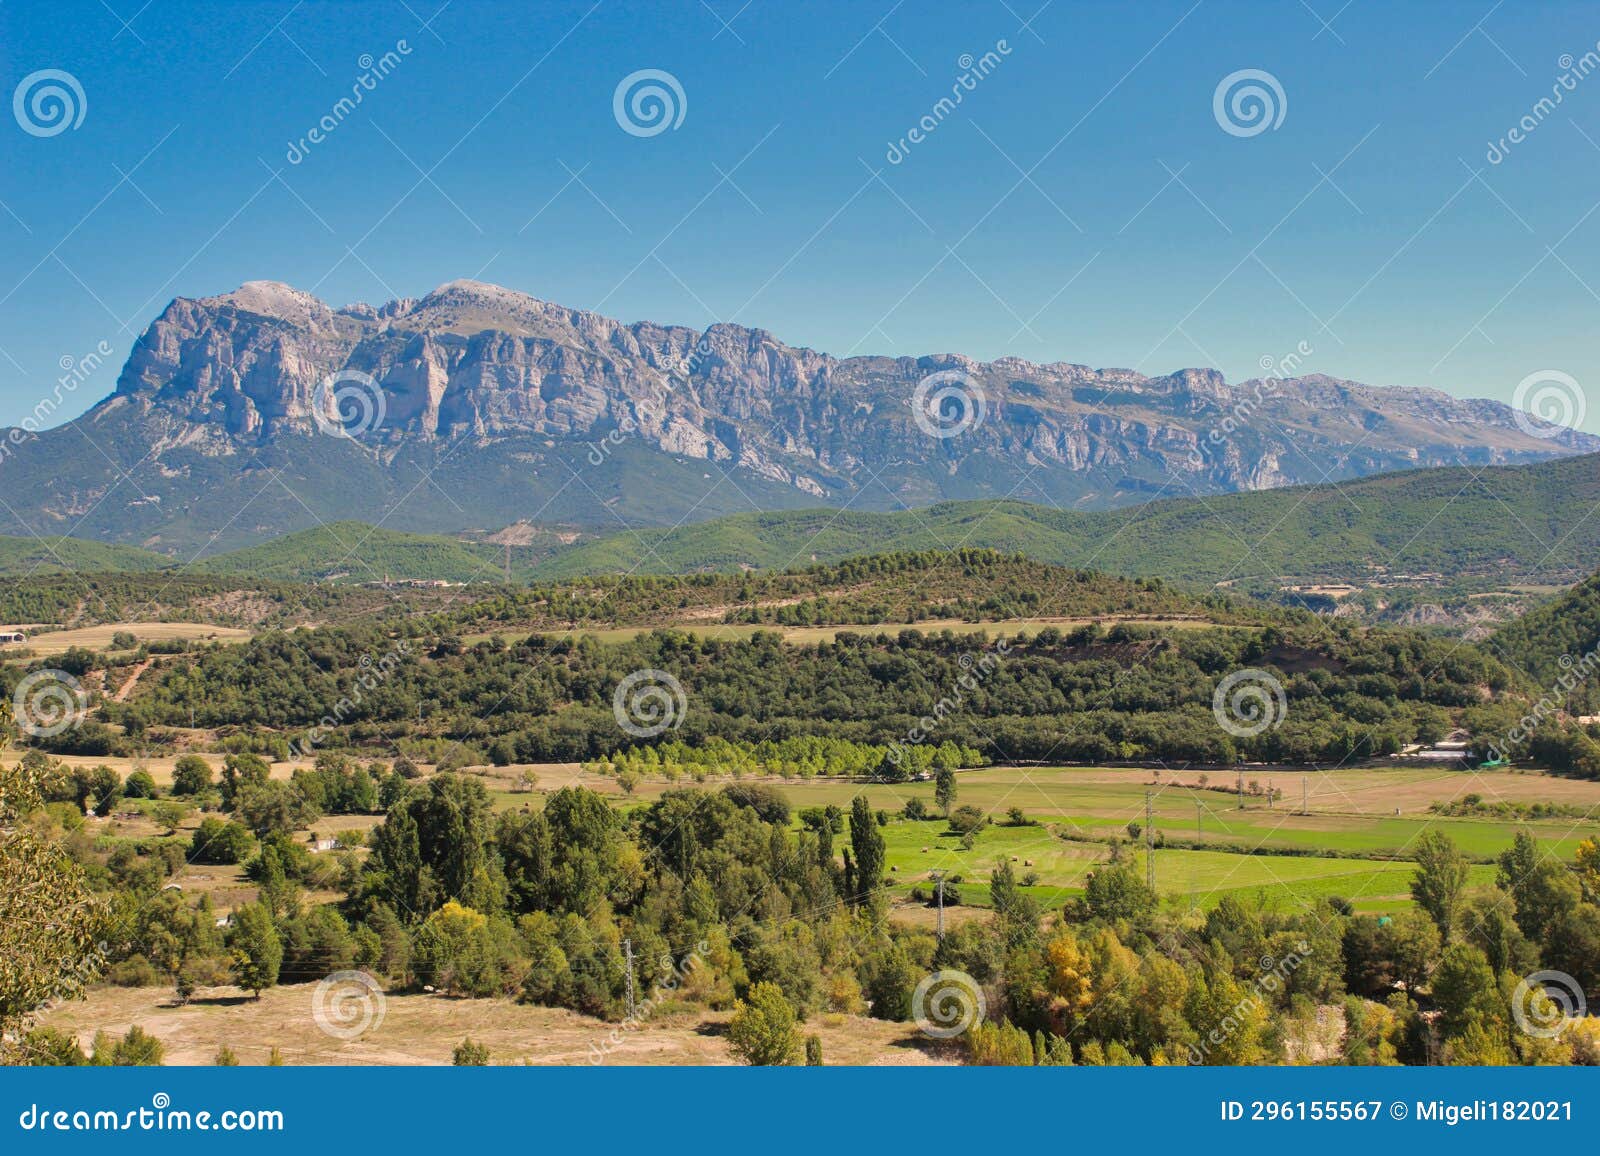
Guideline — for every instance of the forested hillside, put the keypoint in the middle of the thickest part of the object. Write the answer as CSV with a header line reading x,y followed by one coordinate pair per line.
x,y
1499,525
1129,693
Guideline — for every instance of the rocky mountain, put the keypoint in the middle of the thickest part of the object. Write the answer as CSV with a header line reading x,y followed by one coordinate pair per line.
x,y
264,410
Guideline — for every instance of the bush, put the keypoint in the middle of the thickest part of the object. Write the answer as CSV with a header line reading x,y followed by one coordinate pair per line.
x,y
191,775
139,785
768,802
135,971
217,841
967,820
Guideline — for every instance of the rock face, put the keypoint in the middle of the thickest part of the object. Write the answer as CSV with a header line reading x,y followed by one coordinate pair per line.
x,y
510,397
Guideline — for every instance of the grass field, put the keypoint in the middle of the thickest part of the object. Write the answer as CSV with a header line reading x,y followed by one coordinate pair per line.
x,y
1352,815
422,1029
99,637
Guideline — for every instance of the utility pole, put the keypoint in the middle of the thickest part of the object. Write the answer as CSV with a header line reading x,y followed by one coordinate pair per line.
x,y
627,951
1194,870
1270,791
1150,840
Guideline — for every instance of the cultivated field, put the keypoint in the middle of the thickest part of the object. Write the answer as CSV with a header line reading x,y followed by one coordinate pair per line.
x,y
99,637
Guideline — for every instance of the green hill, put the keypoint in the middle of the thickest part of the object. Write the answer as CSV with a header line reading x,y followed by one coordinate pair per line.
x,y
357,552
1555,642
1523,524
21,557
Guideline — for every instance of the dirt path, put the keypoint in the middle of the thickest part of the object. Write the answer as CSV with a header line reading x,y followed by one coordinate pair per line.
x,y
127,688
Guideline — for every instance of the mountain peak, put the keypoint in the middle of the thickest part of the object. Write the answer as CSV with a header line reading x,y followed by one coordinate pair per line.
x,y
543,390
271,299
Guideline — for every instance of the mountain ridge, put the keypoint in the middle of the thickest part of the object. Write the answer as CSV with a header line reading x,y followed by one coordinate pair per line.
x,y
261,411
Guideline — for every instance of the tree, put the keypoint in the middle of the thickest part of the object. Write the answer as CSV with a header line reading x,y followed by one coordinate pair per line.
x,y
1411,942
470,1055
219,841
257,950
867,843
104,791
267,808
1465,992
762,1031
944,789
191,775
239,772
1544,890
140,785
51,924
1230,1021
1115,891
1440,883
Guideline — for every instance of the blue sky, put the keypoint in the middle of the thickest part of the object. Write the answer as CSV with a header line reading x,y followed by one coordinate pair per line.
x,y
1082,203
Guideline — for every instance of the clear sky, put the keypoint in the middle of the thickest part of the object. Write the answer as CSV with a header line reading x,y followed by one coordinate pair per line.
x,y
1082,202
